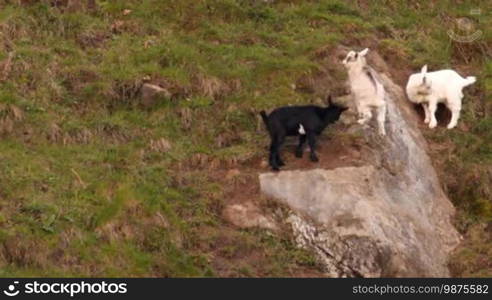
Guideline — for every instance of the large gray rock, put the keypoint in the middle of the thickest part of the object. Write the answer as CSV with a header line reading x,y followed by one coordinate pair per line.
x,y
389,217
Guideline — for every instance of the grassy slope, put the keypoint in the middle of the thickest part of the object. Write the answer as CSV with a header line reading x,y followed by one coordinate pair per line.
x,y
84,191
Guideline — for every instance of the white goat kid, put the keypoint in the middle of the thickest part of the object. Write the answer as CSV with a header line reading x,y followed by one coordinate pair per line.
x,y
367,89
431,88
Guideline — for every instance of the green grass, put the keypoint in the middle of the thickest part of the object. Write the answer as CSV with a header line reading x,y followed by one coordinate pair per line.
x,y
82,186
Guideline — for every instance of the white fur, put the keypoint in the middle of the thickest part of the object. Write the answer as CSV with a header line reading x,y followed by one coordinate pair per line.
x,y
301,130
367,94
443,86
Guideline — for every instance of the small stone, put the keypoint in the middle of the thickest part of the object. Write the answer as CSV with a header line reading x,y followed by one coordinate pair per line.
x,y
232,173
247,215
150,93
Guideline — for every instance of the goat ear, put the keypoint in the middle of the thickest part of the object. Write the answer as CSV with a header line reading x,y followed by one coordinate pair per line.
x,y
424,69
364,52
424,72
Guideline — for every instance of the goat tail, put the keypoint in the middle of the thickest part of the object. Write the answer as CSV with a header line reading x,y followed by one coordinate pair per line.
x,y
469,80
264,117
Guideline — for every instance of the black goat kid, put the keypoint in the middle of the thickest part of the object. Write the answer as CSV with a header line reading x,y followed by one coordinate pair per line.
x,y
306,121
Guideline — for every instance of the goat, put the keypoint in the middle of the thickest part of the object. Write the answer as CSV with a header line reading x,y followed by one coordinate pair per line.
x,y
306,121
431,88
366,88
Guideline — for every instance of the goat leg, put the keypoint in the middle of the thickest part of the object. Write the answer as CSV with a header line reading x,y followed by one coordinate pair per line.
x,y
427,113
312,145
432,112
302,140
455,108
273,156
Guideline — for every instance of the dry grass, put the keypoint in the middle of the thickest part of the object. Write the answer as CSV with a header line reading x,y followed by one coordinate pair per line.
x,y
10,115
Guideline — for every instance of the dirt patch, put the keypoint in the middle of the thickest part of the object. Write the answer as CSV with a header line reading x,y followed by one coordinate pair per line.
x,y
332,152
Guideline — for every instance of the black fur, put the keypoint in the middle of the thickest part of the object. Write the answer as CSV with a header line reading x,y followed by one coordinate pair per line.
x,y
286,121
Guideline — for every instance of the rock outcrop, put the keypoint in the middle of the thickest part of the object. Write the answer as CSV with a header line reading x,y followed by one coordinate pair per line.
x,y
386,218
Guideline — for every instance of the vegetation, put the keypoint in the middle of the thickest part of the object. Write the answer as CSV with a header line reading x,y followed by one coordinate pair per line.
x,y
94,184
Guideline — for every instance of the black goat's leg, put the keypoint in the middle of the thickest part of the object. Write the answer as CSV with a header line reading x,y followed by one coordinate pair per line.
x,y
302,140
311,136
281,140
273,154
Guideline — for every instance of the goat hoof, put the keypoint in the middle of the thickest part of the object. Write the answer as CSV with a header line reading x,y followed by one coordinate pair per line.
x,y
281,164
276,169
314,159
298,154
432,125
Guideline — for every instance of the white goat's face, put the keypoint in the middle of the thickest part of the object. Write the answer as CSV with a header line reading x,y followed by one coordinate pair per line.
x,y
351,56
424,89
355,58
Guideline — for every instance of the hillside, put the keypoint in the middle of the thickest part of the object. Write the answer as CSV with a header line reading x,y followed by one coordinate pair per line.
x,y
96,182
